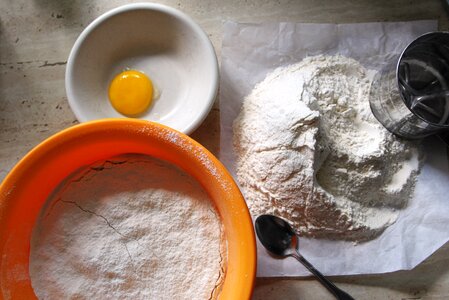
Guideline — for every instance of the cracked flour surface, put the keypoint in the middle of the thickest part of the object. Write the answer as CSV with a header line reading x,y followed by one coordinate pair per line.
x,y
132,227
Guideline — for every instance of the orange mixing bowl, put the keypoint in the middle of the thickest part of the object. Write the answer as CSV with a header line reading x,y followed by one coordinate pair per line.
x,y
27,186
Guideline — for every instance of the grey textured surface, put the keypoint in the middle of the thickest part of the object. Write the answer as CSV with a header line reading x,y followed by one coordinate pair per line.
x,y
36,37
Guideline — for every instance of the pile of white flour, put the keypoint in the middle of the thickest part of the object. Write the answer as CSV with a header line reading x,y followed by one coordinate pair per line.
x,y
128,228
309,150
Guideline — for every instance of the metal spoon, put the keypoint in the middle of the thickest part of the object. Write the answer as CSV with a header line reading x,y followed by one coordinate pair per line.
x,y
278,237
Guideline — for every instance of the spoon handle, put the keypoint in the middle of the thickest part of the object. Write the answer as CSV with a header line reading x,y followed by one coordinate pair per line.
x,y
338,293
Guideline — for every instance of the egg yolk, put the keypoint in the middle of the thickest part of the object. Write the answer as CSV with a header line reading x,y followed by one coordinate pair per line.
x,y
131,92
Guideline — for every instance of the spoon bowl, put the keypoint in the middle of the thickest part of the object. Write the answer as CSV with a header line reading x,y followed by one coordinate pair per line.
x,y
276,235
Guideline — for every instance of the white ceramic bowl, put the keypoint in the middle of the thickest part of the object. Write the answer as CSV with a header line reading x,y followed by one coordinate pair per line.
x,y
158,40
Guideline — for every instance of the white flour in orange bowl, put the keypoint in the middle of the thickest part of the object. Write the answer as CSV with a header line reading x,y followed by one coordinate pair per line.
x,y
124,209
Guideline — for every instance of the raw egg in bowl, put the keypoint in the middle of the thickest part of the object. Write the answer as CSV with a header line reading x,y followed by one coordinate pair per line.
x,y
146,61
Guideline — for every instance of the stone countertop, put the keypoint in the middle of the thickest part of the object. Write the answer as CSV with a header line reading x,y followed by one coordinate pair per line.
x,y
36,37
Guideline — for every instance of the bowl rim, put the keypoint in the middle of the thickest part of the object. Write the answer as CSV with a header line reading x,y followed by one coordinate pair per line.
x,y
205,42
241,244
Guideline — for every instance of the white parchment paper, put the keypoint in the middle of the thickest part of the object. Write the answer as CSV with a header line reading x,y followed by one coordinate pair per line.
x,y
250,51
